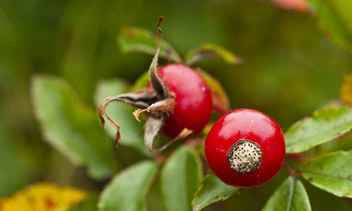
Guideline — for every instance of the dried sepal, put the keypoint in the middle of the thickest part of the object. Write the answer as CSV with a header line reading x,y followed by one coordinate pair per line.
x,y
138,99
152,128
102,112
155,79
158,103
162,107
183,134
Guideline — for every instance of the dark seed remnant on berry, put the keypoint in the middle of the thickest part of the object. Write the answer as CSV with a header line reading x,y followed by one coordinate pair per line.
x,y
245,156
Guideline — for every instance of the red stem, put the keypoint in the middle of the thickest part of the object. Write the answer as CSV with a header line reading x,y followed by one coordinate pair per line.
x,y
294,173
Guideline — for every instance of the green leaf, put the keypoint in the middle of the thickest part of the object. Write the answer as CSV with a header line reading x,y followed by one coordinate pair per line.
x,y
135,39
335,20
70,127
127,190
131,130
332,173
291,195
212,190
325,125
14,160
141,82
88,204
218,95
179,179
211,50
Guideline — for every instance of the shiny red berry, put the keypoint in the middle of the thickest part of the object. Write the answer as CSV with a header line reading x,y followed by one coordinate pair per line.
x,y
245,148
192,96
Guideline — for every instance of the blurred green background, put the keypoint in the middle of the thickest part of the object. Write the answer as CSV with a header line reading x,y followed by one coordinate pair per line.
x,y
290,68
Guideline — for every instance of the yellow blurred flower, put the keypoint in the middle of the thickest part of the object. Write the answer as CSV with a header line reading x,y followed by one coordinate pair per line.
x,y
43,197
346,89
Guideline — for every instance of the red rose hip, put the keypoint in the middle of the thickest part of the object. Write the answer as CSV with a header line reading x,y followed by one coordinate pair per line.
x,y
177,102
192,96
245,148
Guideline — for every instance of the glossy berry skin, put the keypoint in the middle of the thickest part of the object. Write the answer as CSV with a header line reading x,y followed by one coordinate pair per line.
x,y
193,99
256,127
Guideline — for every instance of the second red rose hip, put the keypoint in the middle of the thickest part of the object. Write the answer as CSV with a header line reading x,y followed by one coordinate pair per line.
x,y
245,148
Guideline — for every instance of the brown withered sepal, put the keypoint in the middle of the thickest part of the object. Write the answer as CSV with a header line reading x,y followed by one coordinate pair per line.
x,y
158,102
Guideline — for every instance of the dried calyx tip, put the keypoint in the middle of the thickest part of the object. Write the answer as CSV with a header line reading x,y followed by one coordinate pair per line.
x,y
245,156
101,112
159,23
159,103
155,80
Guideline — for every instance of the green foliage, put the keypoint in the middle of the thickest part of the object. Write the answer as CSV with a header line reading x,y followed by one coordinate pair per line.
x,y
88,204
211,190
211,50
334,18
291,195
331,172
134,39
12,162
70,127
179,179
325,125
290,70
128,189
